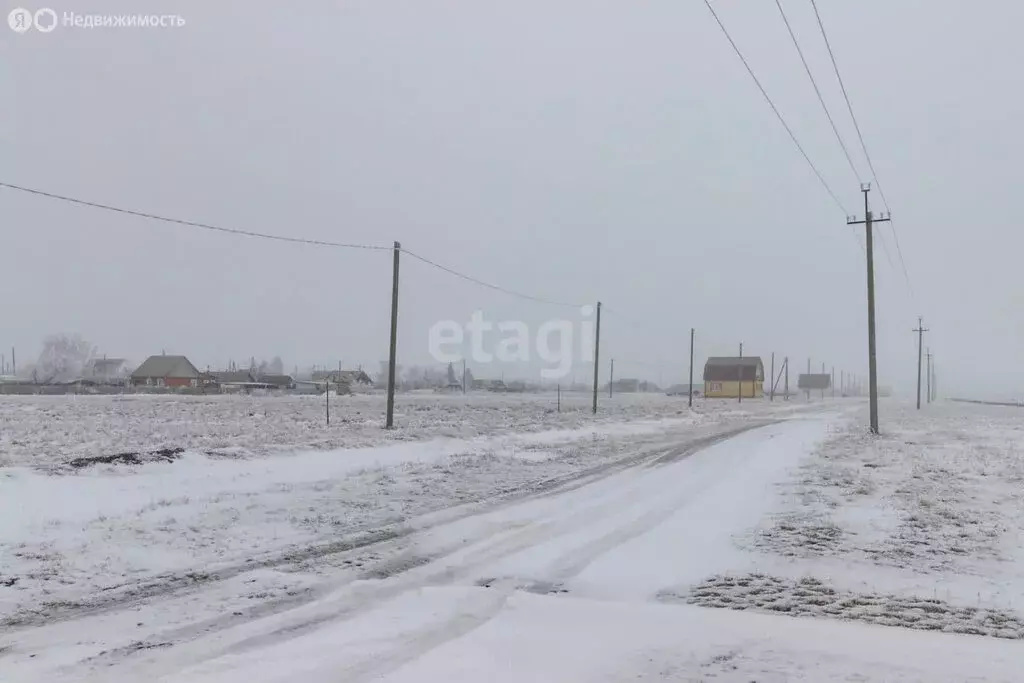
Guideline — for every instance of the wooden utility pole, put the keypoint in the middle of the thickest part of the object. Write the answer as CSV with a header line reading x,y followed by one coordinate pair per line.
x,y
920,347
463,375
559,398
327,402
739,371
771,392
691,366
872,360
807,390
929,375
611,377
390,422
597,353
785,364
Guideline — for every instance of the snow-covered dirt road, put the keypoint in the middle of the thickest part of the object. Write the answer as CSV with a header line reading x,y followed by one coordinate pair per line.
x,y
578,582
93,536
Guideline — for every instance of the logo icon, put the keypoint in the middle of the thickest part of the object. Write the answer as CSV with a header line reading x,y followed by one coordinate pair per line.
x,y
20,20
46,20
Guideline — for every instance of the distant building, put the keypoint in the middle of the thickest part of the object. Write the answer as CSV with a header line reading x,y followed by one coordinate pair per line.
x,y
684,390
625,386
350,377
277,381
725,376
104,370
233,377
353,377
815,382
489,385
166,371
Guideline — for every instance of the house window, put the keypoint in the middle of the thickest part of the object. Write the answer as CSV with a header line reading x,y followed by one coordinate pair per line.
x,y
716,386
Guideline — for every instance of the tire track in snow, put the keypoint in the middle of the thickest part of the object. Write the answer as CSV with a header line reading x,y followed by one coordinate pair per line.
x,y
365,538
466,561
483,550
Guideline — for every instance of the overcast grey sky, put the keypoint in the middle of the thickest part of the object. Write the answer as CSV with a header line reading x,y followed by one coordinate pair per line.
x,y
573,150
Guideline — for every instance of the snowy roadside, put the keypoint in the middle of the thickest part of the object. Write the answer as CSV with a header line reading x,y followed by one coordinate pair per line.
x,y
107,532
919,528
611,577
50,432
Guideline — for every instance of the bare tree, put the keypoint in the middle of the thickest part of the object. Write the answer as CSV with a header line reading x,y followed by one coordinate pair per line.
x,y
64,358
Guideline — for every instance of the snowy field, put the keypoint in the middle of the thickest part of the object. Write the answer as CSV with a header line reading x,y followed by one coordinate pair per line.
x,y
773,544
74,537
919,528
53,431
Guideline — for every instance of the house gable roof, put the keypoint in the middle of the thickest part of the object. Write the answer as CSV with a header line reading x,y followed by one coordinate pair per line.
x,y
107,363
276,380
234,377
733,368
178,367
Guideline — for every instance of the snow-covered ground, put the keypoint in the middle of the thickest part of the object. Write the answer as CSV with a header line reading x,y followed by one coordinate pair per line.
x,y
598,558
71,538
52,431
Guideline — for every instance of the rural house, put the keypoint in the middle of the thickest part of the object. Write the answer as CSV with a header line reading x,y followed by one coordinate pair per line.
x,y
165,371
349,377
814,381
276,381
725,375
352,377
106,369
233,380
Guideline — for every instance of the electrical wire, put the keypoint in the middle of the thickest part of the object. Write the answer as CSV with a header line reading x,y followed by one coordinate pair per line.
x,y
281,238
193,224
775,109
817,91
860,137
469,278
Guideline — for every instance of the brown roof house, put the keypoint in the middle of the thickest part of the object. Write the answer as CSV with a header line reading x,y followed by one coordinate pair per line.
x,y
726,376
166,371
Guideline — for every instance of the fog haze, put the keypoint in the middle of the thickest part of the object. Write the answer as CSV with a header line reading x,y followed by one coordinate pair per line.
x,y
578,151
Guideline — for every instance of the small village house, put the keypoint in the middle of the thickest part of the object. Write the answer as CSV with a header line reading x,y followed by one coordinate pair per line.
x,y
233,380
814,382
166,371
276,381
725,376
106,370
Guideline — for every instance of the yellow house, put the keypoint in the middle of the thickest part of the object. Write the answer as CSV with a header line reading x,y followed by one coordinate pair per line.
x,y
725,377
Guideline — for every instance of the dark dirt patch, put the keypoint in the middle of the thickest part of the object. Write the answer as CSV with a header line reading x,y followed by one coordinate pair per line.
x,y
128,458
809,597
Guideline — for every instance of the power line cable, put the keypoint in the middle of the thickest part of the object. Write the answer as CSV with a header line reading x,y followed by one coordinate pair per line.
x,y
281,238
488,285
775,109
193,224
817,90
860,137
